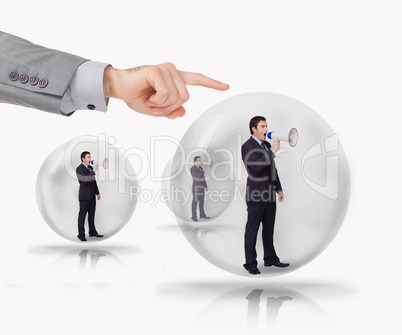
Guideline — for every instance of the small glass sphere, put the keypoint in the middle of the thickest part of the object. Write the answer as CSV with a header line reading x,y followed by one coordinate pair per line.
x,y
57,188
312,168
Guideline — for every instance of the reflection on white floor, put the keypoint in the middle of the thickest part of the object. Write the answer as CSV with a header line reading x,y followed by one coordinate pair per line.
x,y
93,259
272,306
268,308
72,264
88,259
263,309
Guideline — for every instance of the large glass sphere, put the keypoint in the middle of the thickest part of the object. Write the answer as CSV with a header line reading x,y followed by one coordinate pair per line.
x,y
314,175
57,188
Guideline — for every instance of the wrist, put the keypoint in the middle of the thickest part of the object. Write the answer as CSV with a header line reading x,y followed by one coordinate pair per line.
x,y
109,79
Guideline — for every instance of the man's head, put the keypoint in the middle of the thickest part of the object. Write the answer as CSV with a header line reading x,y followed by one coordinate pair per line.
x,y
86,157
197,160
258,127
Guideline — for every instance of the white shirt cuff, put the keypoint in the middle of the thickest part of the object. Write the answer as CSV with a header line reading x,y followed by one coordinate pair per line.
x,y
85,90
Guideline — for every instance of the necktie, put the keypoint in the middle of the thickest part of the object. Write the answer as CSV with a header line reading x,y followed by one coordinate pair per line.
x,y
270,153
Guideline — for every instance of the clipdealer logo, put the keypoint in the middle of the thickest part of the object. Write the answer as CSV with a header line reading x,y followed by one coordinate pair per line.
x,y
331,187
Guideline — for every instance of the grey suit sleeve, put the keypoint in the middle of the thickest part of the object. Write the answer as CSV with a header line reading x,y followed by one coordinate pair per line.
x,y
34,76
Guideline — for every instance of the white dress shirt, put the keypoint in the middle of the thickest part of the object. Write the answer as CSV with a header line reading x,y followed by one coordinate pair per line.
x,y
85,90
259,142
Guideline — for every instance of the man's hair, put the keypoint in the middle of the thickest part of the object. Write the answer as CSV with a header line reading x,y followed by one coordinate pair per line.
x,y
195,158
254,122
83,154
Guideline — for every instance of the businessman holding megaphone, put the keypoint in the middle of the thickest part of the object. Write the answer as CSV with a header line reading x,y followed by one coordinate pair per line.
x,y
86,195
262,186
199,188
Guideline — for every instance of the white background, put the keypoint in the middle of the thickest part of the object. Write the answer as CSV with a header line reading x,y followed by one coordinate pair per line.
x,y
342,58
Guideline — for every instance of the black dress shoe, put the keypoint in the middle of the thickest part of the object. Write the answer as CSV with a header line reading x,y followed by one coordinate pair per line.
x,y
205,217
82,239
254,271
194,219
96,235
277,264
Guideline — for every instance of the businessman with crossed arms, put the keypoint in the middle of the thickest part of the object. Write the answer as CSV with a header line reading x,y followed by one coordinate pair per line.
x,y
58,82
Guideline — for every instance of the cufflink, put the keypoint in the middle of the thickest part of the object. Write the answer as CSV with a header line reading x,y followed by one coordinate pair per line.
x,y
91,107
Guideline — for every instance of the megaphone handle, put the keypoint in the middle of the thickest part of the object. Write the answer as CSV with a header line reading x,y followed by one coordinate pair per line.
x,y
273,143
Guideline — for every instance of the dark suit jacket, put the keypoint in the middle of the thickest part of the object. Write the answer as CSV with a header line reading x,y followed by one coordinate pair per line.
x,y
263,180
88,185
198,177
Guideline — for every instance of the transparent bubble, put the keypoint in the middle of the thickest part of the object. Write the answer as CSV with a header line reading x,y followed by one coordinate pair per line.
x,y
314,175
57,188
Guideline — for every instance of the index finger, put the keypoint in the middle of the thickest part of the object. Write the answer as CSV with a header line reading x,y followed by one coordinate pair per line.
x,y
198,79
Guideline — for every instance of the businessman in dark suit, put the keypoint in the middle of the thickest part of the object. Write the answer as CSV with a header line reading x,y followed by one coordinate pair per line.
x,y
199,187
88,191
262,185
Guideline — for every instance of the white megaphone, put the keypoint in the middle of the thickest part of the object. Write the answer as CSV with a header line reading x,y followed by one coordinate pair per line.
x,y
105,163
210,164
290,137
206,164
